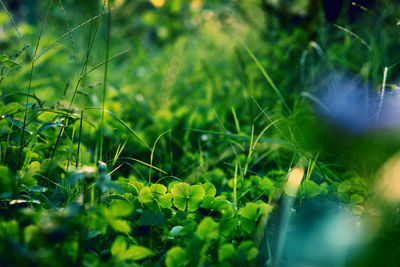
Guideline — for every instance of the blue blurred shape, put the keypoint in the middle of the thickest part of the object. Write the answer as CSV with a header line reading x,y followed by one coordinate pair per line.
x,y
348,104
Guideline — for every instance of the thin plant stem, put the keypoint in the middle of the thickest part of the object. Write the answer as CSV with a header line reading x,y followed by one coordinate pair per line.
x,y
13,23
78,83
70,37
83,89
382,96
105,83
30,83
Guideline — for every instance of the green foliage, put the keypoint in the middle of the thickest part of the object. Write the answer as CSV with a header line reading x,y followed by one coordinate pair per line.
x,y
155,195
207,229
227,105
249,215
186,195
121,251
176,256
310,188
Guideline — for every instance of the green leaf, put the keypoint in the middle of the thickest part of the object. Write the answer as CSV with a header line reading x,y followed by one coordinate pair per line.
x,y
209,189
188,228
226,251
11,108
120,250
136,253
48,166
145,195
249,215
136,186
188,196
121,226
250,251
228,225
180,195
196,195
207,229
18,124
119,208
247,225
165,201
158,189
176,257
27,174
252,254
225,207
6,179
151,218
245,245
324,188
210,192
207,202
47,126
8,62
356,199
250,211
310,189
175,230
31,232
344,187
264,208
155,194
118,197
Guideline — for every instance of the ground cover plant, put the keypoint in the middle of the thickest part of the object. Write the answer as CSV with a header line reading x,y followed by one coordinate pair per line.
x,y
199,133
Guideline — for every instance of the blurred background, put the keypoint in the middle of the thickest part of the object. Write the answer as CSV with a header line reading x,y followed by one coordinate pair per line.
x,y
217,71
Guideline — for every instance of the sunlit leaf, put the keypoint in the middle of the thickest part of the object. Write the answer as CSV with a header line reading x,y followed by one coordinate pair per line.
x,y
158,189
228,225
118,247
196,195
207,229
209,189
356,199
249,215
176,257
119,225
226,251
310,188
145,195
344,187
165,201
225,207
120,208
120,250
180,195
136,253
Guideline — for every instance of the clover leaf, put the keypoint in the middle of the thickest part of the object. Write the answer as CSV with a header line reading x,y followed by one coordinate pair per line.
x,y
224,206
114,214
154,195
310,188
121,251
249,215
207,229
186,196
176,257
226,251
210,192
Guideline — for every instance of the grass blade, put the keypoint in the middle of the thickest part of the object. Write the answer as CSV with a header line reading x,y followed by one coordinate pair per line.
x,y
267,77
